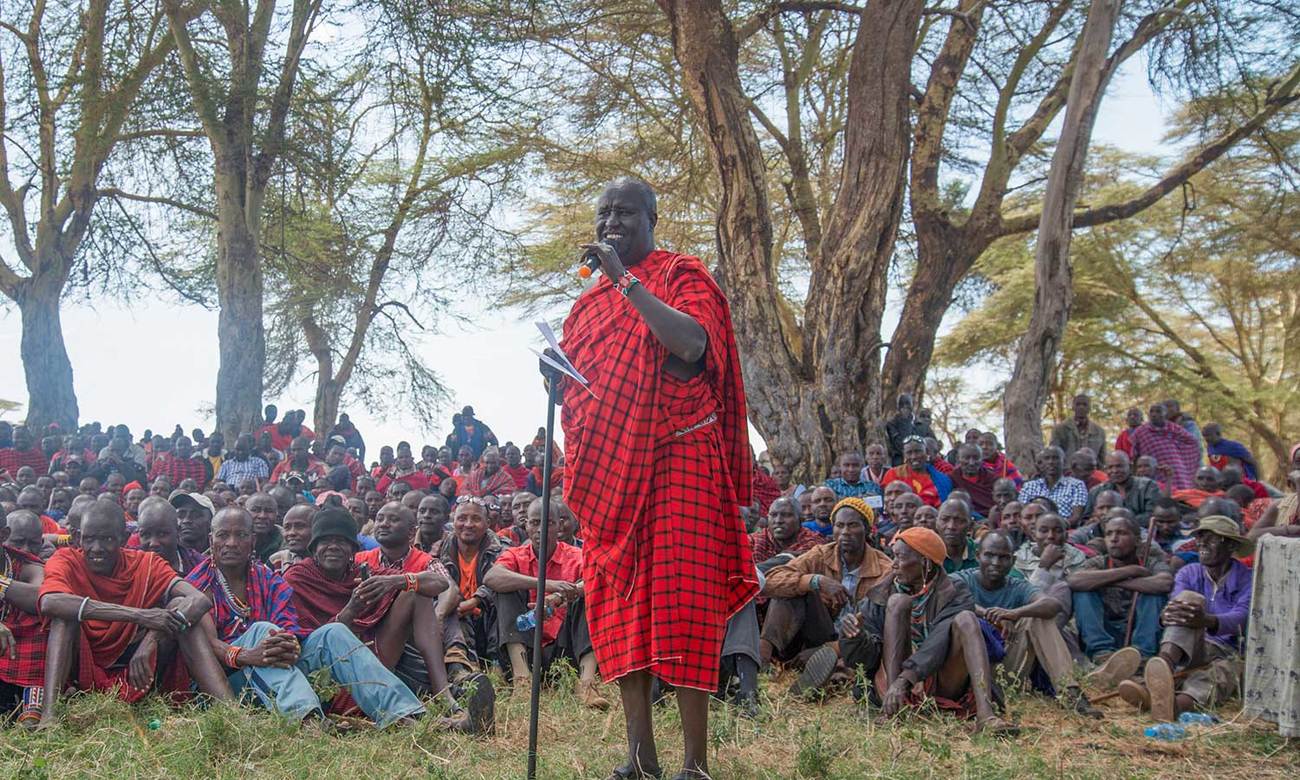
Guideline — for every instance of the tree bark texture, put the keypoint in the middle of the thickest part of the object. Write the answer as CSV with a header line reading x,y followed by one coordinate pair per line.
x,y
1053,276
241,335
811,390
245,128
46,366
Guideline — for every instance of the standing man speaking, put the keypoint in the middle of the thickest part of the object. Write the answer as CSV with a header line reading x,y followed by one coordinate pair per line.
x,y
657,465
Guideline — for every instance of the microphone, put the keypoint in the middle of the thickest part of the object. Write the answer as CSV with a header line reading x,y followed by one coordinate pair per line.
x,y
590,264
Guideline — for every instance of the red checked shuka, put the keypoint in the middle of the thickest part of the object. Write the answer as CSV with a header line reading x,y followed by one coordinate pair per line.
x,y
656,471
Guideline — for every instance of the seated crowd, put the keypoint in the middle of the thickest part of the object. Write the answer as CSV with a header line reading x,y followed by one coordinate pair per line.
x,y
171,564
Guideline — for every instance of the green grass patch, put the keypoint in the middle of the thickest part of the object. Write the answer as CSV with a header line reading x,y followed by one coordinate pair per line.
x,y
100,737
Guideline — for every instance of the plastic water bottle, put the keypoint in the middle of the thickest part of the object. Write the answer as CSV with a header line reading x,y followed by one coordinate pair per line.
x,y
1197,719
528,620
1165,732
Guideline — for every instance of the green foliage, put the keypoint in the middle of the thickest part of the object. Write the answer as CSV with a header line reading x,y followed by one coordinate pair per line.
x,y
1193,298
814,758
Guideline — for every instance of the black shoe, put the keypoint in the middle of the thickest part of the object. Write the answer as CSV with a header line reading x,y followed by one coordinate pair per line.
x,y
1074,700
481,704
747,703
816,672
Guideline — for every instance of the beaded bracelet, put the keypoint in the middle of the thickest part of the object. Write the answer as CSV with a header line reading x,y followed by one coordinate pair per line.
x,y
626,282
412,583
232,656
5,582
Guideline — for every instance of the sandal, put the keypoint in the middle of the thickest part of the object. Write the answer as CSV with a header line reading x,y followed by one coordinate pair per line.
x,y
629,772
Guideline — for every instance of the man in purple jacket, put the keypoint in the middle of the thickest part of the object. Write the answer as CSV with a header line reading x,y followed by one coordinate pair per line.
x,y
1205,624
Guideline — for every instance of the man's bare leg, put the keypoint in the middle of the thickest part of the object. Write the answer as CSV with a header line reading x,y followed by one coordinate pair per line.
x,y
968,664
642,757
520,673
203,665
426,635
693,705
411,619
588,688
897,639
62,640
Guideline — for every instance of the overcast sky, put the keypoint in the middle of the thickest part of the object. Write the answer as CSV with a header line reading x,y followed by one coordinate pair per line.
x,y
152,363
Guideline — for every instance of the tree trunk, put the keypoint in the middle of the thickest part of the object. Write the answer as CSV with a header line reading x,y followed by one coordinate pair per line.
x,y
846,299
50,394
831,366
325,410
1053,290
944,255
241,336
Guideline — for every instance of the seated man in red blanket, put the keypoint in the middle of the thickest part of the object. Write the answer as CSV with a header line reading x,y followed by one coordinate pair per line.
x,y
99,596
395,528
383,605
22,634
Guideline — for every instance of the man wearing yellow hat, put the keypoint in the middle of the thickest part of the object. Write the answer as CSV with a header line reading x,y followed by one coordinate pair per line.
x,y
1205,623
810,594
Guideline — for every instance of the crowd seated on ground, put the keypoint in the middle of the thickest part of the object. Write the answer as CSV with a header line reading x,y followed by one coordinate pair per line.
x,y
1117,566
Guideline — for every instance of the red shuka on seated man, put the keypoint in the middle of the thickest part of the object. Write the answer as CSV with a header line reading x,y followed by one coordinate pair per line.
x,y
98,599
22,632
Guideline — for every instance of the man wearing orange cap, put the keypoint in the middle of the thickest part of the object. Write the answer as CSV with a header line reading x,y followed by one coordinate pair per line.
x,y
811,593
916,635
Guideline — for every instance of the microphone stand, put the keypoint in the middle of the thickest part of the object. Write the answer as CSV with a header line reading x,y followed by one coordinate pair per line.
x,y
539,608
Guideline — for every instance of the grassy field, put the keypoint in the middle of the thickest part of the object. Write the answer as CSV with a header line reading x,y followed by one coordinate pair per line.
x,y
102,738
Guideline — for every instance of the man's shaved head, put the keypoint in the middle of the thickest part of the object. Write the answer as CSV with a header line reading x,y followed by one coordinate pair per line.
x,y
105,514
24,523
154,507
634,185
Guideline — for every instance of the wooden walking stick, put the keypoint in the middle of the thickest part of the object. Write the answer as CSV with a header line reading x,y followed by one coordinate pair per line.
x,y
1146,552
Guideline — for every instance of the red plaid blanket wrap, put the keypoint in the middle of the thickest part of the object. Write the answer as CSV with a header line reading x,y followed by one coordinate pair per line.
x,y
655,471
27,667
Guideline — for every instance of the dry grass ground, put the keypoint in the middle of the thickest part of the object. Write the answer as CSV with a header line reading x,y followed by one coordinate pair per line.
x,y
102,738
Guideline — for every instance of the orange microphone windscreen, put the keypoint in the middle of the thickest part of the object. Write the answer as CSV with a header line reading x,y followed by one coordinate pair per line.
x,y
584,272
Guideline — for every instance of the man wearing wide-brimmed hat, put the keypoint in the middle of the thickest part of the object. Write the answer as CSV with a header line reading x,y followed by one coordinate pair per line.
x,y
1205,623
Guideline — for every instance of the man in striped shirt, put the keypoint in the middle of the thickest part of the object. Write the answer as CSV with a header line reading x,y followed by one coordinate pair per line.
x,y
253,630
1176,451
177,465
242,465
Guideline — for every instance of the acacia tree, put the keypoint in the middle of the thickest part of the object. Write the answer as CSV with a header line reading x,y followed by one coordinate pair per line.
x,y
1033,75
785,97
812,390
226,58
392,171
1194,298
71,80
1027,389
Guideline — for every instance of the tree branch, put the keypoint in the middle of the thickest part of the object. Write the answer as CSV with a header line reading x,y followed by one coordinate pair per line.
x,y
759,20
399,305
304,16
114,192
204,105
163,132
1286,92
12,201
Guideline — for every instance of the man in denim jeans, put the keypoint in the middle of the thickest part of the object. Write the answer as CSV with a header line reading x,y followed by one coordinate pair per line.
x,y
253,630
1104,589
